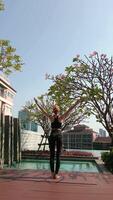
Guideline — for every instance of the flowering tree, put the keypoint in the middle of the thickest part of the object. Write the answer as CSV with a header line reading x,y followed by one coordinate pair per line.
x,y
92,79
47,101
9,60
62,95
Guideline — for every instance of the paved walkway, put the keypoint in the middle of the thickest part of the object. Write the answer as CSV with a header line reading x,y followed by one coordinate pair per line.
x,y
33,184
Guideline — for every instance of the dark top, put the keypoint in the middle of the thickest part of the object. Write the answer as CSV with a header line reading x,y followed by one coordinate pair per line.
x,y
56,124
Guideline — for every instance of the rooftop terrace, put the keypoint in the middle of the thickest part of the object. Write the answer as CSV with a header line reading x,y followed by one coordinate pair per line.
x,y
33,184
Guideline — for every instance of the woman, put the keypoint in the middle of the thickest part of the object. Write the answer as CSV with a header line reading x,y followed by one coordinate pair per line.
x,y
55,139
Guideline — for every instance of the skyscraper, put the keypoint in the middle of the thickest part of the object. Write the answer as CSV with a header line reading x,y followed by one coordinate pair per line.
x,y
25,122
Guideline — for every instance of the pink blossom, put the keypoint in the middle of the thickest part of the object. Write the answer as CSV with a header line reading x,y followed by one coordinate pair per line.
x,y
94,53
60,76
111,70
75,65
91,55
105,55
77,56
63,76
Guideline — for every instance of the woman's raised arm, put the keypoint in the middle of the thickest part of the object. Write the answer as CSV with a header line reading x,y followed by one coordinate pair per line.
x,y
43,111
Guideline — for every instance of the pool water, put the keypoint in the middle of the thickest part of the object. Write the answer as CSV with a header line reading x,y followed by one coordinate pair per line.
x,y
70,166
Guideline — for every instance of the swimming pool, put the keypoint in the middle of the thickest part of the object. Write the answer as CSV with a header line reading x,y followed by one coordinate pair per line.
x,y
70,166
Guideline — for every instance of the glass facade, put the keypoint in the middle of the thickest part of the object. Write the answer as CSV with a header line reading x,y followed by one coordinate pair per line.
x,y
26,123
78,138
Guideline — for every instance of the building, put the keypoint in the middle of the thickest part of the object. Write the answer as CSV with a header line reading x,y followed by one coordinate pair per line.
x,y
102,143
30,140
102,132
7,94
31,132
79,137
26,123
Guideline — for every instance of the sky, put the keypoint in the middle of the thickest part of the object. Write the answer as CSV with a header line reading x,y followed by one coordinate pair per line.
x,y
47,34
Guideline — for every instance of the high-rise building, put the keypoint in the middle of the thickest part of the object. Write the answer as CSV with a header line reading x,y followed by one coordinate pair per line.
x,y
25,122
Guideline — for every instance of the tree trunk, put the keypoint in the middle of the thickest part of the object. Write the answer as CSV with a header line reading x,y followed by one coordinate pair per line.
x,y
112,141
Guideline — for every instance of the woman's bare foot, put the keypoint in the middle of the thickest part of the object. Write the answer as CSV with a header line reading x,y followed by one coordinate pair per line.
x,y
57,176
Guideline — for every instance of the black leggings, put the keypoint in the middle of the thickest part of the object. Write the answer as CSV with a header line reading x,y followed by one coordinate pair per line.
x,y
55,141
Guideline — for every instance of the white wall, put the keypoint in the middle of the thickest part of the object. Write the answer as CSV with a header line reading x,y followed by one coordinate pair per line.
x,y
30,140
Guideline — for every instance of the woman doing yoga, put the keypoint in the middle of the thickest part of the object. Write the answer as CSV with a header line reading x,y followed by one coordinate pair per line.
x,y
55,138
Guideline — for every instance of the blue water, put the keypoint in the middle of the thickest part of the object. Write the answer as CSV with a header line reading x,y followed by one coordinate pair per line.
x,y
70,166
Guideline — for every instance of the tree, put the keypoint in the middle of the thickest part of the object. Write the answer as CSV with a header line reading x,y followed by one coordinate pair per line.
x,y
37,116
62,95
47,101
9,60
1,5
35,113
92,78
56,95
